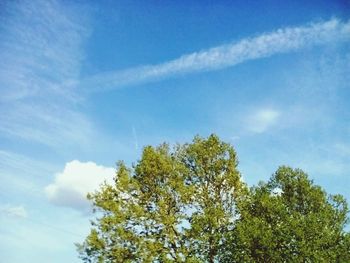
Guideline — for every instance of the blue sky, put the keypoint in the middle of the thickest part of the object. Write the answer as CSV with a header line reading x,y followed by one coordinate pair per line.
x,y
84,84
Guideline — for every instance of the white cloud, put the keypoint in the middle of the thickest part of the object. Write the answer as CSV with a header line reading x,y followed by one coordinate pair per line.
x,y
262,120
17,211
75,181
279,41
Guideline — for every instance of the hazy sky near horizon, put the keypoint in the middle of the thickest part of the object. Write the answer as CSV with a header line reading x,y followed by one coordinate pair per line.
x,y
86,83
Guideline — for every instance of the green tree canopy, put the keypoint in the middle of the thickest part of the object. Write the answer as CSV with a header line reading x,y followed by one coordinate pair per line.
x,y
289,219
189,204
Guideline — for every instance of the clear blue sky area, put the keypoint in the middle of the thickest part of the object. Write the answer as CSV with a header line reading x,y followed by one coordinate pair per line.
x,y
84,84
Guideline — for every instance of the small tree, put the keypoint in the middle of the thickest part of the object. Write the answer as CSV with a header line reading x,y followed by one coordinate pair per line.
x,y
172,206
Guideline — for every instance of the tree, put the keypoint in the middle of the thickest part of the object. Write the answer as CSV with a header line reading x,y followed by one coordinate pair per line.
x,y
189,204
172,206
289,219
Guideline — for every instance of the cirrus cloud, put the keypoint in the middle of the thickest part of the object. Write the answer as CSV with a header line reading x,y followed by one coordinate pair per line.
x,y
262,120
16,211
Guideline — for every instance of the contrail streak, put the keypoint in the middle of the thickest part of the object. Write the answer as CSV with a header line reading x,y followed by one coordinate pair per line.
x,y
265,45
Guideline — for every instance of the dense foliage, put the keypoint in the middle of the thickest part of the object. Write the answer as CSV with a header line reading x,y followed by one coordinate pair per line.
x,y
189,204
289,219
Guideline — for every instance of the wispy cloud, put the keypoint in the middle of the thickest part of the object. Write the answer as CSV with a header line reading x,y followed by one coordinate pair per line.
x,y
17,211
41,54
40,49
22,176
53,125
343,149
134,135
261,120
265,45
